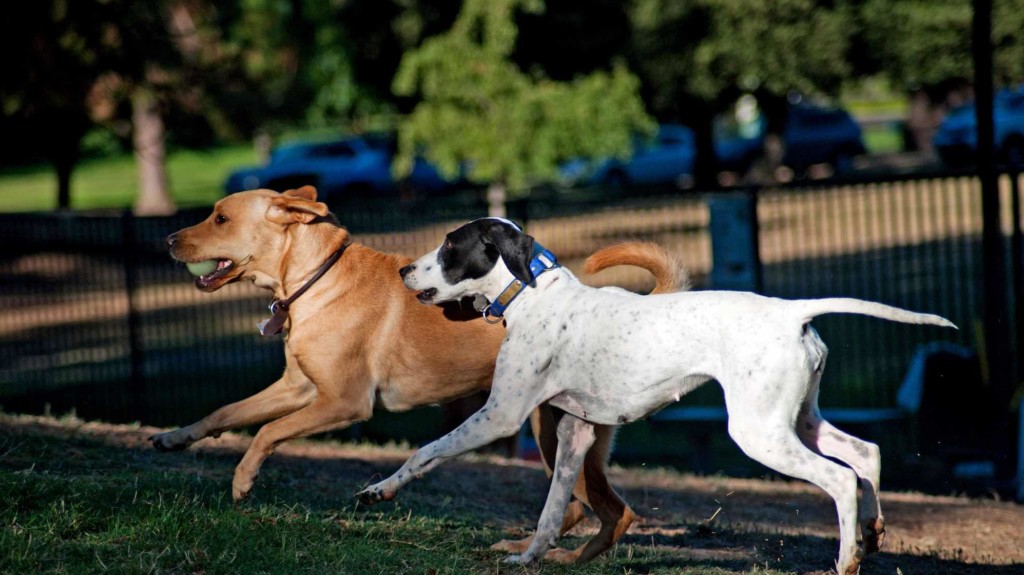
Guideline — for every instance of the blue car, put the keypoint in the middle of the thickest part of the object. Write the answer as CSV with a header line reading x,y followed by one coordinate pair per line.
x,y
956,140
813,135
357,166
666,158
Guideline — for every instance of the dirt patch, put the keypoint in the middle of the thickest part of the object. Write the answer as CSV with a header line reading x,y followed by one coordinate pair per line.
x,y
738,524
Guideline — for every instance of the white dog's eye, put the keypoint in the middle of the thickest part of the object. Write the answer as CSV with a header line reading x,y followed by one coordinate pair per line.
x,y
447,244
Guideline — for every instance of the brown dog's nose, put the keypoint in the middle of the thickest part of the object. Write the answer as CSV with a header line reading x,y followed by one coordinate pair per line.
x,y
172,239
405,270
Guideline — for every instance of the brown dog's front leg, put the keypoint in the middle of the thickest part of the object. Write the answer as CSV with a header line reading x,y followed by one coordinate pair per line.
x,y
284,396
323,414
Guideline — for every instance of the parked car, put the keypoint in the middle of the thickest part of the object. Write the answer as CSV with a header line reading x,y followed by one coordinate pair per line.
x,y
666,158
353,166
813,135
956,140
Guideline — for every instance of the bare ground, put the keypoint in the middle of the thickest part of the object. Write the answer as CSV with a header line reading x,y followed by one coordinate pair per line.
x,y
738,525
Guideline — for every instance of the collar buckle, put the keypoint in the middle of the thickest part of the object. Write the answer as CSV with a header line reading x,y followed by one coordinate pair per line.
x,y
542,261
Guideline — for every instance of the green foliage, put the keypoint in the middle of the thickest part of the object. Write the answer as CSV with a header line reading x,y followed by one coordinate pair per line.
x,y
928,42
715,49
478,108
772,45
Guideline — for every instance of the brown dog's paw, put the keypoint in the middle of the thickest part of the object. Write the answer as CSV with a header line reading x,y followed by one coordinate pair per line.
x,y
240,491
170,441
559,555
514,546
874,535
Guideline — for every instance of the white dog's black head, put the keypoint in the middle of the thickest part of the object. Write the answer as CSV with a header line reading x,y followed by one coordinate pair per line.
x,y
475,259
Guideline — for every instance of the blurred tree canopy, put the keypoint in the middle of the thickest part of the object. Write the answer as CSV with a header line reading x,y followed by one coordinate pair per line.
x,y
224,70
921,43
479,110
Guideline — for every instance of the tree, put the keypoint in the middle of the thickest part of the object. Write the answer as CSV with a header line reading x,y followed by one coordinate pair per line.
x,y
52,56
925,46
511,129
706,53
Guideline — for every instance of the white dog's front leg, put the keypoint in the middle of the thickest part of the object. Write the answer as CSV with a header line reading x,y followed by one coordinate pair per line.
x,y
575,437
481,428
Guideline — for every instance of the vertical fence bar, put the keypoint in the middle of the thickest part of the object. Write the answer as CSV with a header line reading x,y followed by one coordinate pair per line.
x,y
136,377
1017,253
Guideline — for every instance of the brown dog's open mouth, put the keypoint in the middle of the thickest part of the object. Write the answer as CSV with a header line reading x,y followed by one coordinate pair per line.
x,y
212,280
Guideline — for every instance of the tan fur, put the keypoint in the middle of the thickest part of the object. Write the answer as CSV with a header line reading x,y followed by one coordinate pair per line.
x,y
669,273
358,337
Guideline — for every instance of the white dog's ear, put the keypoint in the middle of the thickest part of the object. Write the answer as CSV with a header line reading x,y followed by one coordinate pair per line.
x,y
515,249
296,207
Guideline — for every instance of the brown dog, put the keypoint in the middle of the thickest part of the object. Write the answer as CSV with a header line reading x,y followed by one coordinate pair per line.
x,y
355,337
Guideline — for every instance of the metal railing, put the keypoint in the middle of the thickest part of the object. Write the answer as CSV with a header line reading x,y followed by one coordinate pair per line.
x,y
98,318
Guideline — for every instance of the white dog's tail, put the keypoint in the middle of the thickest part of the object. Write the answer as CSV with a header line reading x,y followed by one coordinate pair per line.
x,y
810,308
669,273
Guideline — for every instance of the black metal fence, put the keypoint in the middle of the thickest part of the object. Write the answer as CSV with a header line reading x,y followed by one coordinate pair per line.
x,y
97,318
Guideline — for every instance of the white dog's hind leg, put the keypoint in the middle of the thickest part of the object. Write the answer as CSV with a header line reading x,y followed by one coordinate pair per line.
x,y
776,444
866,461
575,437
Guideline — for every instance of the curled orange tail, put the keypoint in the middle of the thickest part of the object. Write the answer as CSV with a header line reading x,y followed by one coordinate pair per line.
x,y
669,273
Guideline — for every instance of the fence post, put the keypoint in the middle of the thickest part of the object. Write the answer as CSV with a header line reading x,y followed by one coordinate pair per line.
x,y
1017,277
995,304
735,252
136,379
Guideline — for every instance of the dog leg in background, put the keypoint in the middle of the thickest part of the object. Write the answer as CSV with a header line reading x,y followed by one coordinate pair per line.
x,y
592,490
325,413
286,395
575,437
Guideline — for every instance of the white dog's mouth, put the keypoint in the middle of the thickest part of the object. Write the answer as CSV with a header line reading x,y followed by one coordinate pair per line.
x,y
427,295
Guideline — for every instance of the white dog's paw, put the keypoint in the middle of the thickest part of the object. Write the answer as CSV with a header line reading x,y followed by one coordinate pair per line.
x,y
374,494
517,559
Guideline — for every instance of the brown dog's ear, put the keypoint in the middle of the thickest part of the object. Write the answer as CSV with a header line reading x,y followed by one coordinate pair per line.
x,y
296,207
305,192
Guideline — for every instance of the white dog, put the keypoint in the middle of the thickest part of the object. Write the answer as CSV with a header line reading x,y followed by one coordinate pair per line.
x,y
607,358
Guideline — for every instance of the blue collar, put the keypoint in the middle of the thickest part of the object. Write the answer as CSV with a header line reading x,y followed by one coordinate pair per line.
x,y
542,261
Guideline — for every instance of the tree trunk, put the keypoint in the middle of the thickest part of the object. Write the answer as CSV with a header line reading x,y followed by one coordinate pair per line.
x,y
69,129
496,198
767,169
63,165
705,167
148,139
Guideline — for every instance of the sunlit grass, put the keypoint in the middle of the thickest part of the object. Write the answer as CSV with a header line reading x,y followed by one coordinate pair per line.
x,y
196,178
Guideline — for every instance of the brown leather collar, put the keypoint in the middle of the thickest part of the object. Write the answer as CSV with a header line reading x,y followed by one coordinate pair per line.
x,y
279,308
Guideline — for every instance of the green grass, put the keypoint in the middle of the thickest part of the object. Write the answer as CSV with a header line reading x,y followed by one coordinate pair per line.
x,y
196,178
76,504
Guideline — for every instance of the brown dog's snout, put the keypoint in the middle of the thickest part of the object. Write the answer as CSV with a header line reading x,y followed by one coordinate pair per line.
x,y
406,270
172,239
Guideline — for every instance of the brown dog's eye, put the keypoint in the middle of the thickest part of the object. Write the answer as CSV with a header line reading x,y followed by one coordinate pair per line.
x,y
220,219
